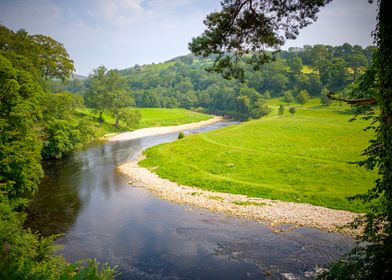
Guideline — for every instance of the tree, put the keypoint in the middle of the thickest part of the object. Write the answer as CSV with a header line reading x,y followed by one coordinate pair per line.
x,y
281,110
324,100
267,94
130,118
245,27
303,97
355,61
288,97
119,100
52,58
106,93
292,111
117,97
97,94
295,65
46,55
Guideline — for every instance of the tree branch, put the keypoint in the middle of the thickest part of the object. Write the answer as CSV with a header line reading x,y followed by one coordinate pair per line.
x,y
238,5
362,101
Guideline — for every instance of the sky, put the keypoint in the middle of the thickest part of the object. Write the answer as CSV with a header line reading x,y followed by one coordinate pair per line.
x,y
122,33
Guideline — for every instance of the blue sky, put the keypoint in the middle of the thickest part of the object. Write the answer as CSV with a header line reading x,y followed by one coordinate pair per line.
x,y
122,33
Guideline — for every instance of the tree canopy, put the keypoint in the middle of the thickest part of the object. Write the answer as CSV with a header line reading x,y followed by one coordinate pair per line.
x,y
248,28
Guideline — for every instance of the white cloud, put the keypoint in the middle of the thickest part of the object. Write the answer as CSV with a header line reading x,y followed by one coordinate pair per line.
x,y
118,12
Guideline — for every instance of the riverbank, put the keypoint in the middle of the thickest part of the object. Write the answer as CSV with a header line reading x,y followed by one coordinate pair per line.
x,y
153,131
271,212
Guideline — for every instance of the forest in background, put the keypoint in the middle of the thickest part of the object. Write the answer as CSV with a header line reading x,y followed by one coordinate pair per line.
x,y
296,74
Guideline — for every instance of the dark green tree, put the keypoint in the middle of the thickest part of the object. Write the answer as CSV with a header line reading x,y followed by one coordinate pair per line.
x,y
295,65
281,110
292,111
356,61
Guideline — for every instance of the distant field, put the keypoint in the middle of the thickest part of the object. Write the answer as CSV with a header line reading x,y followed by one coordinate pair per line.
x,y
150,117
301,158
164,117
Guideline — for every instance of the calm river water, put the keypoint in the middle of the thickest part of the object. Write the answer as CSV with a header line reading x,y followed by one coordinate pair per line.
x,y
84,197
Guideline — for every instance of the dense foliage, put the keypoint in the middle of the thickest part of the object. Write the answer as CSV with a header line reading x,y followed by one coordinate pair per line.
x,y
34,123
246,27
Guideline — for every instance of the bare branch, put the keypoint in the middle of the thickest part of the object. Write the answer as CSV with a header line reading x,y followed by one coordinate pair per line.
x,y
362,101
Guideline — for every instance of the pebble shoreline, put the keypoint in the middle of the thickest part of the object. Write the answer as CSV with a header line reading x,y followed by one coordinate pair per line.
x,y
270,212
153,131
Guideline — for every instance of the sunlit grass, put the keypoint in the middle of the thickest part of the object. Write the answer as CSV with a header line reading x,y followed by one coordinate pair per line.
x,y
302,158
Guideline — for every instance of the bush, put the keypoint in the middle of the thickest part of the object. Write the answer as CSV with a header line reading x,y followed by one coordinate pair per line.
x,y
181,135
292,111
281,110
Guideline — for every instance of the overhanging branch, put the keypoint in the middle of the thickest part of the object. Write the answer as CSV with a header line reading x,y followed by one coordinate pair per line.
x,y
361,101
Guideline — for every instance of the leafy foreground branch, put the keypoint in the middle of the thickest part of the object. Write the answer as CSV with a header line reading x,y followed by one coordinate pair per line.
x,y
245,28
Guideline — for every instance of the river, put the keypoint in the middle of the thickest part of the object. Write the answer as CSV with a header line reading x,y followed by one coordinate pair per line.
x,y
101,216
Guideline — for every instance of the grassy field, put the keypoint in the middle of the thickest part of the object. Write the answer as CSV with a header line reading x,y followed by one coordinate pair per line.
x,y
150,117
302,158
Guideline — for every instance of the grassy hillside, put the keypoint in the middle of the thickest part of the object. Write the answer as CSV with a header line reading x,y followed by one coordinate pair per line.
x,y
301,158
150,117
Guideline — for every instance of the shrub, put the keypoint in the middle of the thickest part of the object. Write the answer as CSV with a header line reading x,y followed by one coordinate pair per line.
x,y
281,110
292,111
181,135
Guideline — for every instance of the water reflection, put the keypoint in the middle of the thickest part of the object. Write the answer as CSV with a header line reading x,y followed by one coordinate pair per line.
x,y
148,238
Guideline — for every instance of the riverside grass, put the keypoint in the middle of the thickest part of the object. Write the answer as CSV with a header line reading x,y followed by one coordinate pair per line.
x,y
300,159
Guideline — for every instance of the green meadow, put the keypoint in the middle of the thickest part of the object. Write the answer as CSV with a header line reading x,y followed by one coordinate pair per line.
x,y
300,158
151,117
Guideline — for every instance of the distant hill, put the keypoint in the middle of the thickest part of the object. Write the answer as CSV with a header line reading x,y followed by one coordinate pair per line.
x,y
79,77
183,82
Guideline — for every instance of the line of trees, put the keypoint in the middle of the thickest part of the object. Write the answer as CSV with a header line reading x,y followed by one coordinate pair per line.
x,y
296,74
